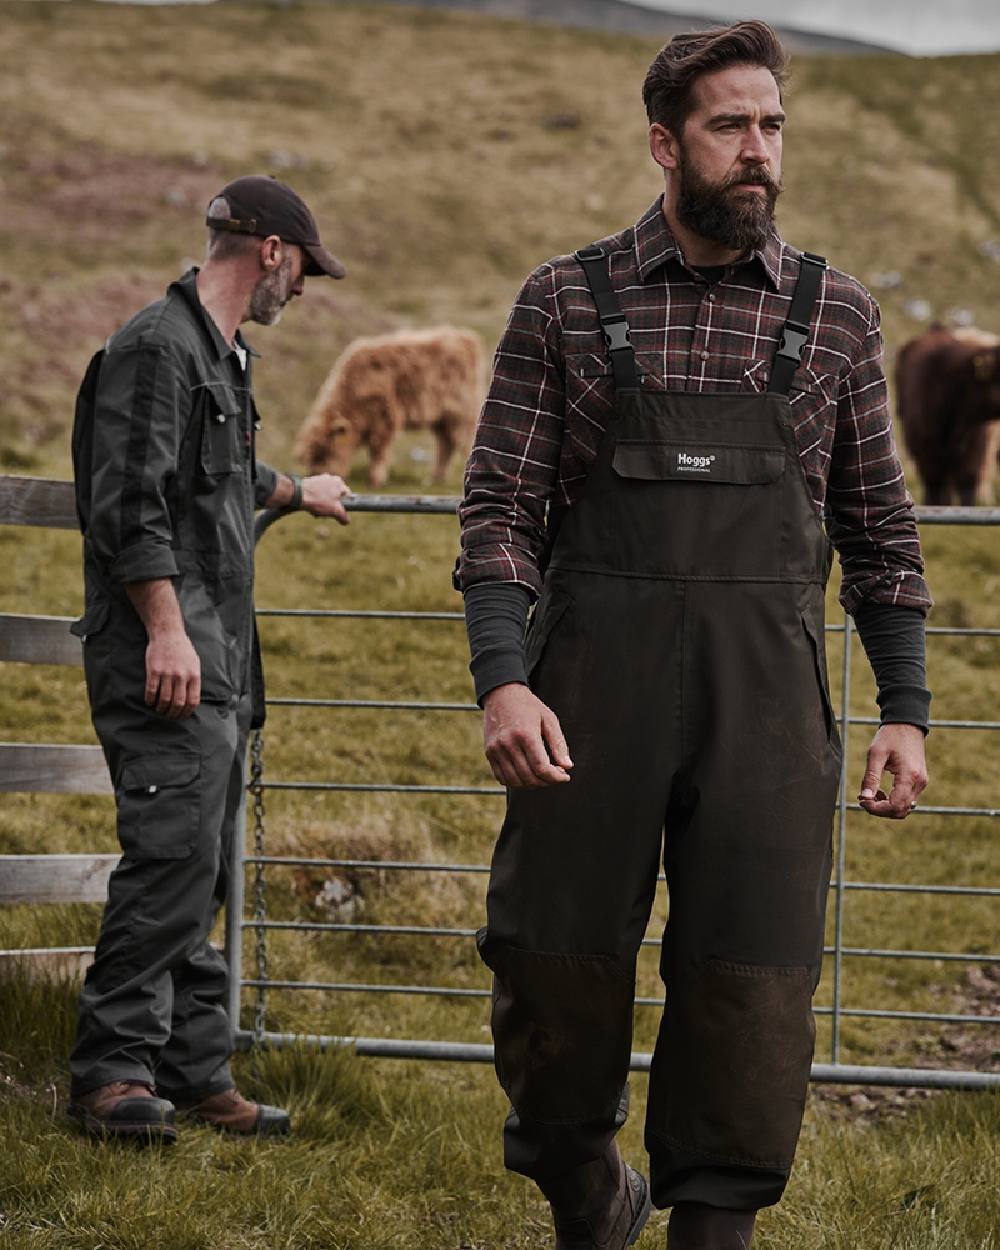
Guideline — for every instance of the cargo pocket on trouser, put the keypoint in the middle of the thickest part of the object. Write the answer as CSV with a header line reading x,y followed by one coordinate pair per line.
x,y
159,800
732,1063
562,1028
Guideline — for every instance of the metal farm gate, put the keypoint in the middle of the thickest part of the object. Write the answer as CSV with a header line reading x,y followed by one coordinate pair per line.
x,y
260,862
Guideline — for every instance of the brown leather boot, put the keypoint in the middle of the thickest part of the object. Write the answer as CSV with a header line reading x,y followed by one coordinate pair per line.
x,y
602,1205
697,1226
230,1112
125,1109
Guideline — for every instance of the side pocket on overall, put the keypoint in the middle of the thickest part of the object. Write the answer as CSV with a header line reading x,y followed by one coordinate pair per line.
x,y
159,800
552,606
818,650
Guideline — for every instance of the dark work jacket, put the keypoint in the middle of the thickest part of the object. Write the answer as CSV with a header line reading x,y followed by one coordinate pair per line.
x,y
166,486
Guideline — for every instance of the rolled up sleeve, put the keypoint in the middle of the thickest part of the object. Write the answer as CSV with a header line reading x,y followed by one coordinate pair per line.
x,y
870,516
138,422
513,467
265,482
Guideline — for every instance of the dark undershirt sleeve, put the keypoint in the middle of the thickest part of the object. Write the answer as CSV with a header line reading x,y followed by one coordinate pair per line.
x,y
495,617
894,641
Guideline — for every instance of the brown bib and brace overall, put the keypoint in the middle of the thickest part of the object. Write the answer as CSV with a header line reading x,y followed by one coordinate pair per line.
x,y
679,639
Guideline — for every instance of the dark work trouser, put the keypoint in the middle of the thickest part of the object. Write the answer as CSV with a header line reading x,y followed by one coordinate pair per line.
x,y
153,1006
679,640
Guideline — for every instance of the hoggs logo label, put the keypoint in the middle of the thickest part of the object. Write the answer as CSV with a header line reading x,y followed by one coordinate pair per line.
x,y
694,464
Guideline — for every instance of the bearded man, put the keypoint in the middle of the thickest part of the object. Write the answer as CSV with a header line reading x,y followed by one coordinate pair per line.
x,y
166,484
682,418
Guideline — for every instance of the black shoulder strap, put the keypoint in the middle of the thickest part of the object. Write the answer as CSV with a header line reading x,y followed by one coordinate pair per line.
x,y
796,328
613,323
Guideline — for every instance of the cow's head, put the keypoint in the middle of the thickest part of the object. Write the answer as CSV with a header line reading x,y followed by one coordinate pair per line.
x,y
986,383
340,441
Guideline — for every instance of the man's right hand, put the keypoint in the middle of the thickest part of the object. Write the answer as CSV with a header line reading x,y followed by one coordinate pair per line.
x,y
524,743
173,675
173,670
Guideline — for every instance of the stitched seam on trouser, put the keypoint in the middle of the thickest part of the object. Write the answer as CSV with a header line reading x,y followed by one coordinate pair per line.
x,y
780,1165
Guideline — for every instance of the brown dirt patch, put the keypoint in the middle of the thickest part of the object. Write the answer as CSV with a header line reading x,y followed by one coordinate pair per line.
x,y
958,1047
94,193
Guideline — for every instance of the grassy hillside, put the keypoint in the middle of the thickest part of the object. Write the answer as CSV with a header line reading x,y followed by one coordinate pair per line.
x,y
445,155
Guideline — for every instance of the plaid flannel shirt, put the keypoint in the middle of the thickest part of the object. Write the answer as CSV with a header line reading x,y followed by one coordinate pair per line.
x,y
552,397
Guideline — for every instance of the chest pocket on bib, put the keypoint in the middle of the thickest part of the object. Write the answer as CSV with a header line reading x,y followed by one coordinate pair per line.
x,y
223,442
690,462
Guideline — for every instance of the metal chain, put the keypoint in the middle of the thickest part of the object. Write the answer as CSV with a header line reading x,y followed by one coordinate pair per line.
x,y
256,789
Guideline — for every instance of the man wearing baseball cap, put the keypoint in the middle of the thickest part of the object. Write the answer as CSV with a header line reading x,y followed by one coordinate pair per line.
x,y
167,481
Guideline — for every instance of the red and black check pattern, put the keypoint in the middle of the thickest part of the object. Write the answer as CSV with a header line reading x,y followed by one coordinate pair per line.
x,y
552,395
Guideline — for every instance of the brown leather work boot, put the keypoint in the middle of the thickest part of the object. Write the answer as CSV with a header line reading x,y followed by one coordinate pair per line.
x,y
230,1112
697,1226
602,1205
125,1109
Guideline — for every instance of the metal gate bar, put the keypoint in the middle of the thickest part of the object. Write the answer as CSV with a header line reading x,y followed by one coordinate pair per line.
x,y
302,861
471,1052
431,931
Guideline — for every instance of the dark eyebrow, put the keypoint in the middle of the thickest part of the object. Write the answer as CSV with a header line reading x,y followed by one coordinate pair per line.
x,y
726,119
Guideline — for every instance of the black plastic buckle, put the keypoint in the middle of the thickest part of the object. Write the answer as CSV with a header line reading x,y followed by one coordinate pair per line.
x,y
590,253
616,334
793,340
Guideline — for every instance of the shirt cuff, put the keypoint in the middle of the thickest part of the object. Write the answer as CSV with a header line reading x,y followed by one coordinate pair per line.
x,y
495,616
144,562
905,705
894,640
264,484
497,668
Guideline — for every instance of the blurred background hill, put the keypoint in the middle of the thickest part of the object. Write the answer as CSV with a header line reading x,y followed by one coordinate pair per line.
x,y
445,154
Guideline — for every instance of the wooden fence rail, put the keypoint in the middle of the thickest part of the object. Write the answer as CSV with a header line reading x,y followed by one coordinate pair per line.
x,y
45,768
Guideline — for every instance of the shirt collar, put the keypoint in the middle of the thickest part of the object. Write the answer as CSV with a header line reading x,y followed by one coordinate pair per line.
x,y
655,245
186,286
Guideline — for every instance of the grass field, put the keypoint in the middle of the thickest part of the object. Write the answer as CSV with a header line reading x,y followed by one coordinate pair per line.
x,y
446,155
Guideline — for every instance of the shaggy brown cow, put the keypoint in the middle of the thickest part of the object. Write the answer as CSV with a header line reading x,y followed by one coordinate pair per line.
x,y
413,379
948,402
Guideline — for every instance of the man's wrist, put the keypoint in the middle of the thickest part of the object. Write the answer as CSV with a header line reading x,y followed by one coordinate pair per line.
x,y
500,668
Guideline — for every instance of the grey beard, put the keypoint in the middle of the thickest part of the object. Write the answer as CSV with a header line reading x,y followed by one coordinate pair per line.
x,y
741,223
266,304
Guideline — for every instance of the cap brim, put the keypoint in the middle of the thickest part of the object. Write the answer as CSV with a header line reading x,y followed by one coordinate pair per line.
x,y
322,262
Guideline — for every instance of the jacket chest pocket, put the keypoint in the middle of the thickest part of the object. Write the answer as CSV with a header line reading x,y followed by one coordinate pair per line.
x,y
223,441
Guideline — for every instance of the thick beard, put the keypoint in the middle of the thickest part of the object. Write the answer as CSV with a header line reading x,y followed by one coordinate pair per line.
x,y
739,222
270,296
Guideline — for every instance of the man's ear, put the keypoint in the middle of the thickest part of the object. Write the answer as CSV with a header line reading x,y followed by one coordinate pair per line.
x,y
663,147
270,252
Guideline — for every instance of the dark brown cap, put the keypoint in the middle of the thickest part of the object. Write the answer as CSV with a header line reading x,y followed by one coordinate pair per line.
x,y
259,204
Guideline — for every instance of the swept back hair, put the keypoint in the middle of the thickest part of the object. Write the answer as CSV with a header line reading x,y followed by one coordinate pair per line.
x,y
667,90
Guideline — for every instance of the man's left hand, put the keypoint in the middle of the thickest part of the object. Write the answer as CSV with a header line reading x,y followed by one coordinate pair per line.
x,y
899,750
322,495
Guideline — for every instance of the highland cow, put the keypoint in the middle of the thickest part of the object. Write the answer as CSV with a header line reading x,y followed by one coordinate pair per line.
x,y
413,379
948,403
